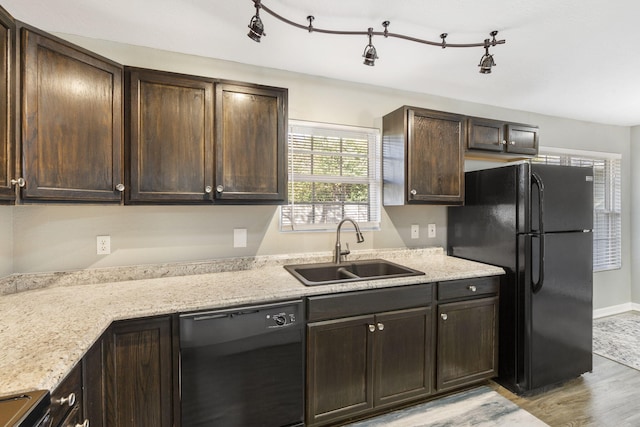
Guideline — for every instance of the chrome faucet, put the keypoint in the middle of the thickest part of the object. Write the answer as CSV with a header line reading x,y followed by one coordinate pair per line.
x,y
338,253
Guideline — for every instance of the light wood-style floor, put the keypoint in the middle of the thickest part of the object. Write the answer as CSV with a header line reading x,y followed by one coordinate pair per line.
x,y
608,396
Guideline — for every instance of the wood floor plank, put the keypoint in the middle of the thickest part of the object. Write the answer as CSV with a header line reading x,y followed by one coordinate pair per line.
x,y
608,396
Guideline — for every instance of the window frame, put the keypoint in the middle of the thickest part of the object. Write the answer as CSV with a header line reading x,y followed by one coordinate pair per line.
x,y
609,257
373,180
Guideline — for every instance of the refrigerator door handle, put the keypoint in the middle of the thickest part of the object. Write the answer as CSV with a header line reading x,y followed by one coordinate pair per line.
x,y
537,286
537,181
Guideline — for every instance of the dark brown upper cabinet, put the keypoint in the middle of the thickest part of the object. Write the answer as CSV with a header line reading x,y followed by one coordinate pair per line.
x,y
169,137
423,157
71,122
7,109
488,136
251,141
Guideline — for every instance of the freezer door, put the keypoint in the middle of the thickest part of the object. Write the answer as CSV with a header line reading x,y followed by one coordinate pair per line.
x,y
558,308
567,198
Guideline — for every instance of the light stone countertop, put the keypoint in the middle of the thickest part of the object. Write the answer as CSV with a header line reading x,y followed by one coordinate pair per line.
x,y
45,332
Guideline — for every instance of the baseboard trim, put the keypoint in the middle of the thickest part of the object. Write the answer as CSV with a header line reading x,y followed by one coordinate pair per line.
x,y
615,309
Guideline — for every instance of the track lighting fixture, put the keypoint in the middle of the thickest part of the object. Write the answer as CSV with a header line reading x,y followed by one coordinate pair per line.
x,y
486,62
256,28
370,54
256,31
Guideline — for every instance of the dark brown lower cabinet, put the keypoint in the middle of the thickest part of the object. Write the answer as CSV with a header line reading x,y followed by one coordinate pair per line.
x,y
138,373
361,363
467,342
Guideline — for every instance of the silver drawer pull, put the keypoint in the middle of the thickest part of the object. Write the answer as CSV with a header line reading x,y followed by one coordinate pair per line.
x,y
444,316
413,192
208,189
219,188
85,423
372,328
381,326
120,187
472,288
69,400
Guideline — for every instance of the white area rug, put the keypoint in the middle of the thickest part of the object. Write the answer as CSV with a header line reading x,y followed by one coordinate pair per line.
x,y
479,407
618,338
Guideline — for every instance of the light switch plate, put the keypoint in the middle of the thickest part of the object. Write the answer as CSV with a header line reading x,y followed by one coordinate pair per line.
x,y
415,231
239,237
431,231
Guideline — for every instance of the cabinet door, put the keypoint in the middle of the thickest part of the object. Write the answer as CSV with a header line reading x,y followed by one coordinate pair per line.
x,y
339,368
467,342
487,135
169,137
402,355
72,122
138,373
522,139
7,111
435,157
250,143
93,384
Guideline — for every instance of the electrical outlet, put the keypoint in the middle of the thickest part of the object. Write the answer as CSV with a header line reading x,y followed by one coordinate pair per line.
x,y
239,237
415,231
103,245
431,231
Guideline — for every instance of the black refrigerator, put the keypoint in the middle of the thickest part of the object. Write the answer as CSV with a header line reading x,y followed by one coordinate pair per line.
x,y
535,221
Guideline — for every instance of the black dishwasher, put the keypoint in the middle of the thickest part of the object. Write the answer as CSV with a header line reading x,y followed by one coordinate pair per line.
x,y
243,366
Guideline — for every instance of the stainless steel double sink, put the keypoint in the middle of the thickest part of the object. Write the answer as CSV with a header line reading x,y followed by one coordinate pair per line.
x,y
350,271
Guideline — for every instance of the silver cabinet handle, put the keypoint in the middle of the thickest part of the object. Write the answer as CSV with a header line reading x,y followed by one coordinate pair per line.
x,y
219,188
472,288
120,187
69,400
208,189
381,326
444,316
20,181
512,143
413,192
85,423
372,328
503,142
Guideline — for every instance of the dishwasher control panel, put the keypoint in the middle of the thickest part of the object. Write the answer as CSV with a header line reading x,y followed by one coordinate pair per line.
x,y
280,319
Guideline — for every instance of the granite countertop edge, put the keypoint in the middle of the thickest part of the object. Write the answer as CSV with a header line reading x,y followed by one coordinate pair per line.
x,y
45,332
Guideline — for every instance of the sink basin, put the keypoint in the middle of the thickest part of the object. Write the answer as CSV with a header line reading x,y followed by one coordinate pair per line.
x,y
353,271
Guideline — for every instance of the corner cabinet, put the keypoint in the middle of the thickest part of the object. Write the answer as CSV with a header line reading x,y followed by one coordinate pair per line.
x,y
7,106
366,362
71,122
251,143
423,157
467,329
169,137
497,137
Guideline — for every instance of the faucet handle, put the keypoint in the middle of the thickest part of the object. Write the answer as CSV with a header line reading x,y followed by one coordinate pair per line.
x,y
347,252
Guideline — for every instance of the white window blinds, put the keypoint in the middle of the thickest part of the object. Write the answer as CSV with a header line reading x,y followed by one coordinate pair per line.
x,y
334,172
607,217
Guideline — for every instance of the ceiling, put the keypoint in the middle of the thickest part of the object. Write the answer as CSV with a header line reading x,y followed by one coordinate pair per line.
x,y
569,58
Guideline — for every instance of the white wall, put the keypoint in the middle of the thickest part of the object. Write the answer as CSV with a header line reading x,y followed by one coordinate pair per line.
x,y
6,240
54,238
634,233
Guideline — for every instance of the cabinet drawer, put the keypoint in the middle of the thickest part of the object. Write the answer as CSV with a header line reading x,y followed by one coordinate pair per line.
x,y
66,396
468,288
334,306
